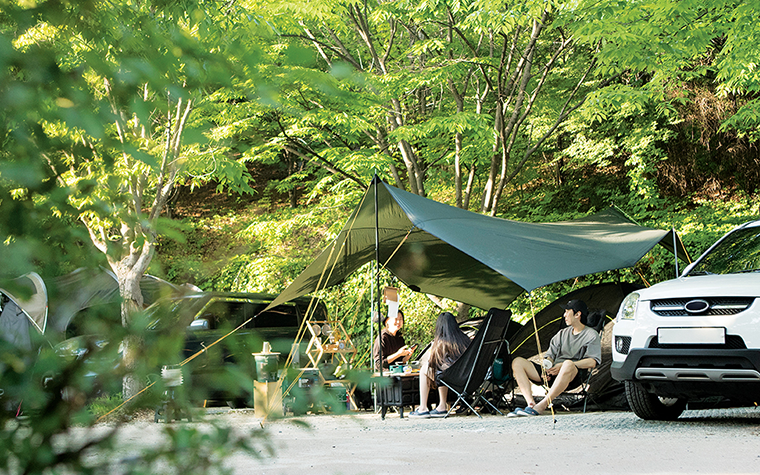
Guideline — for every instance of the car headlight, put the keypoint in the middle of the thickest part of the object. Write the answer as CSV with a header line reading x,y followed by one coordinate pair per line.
x,y
628,307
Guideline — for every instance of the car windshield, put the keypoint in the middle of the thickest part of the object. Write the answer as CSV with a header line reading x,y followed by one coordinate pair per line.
x,y
739,252
167,313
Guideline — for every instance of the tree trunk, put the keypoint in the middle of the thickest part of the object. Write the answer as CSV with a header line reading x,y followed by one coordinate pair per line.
x,y
457,146
129,276
463,311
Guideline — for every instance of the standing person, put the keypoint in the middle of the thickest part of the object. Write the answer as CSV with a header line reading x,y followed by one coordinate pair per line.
x,y
448,345
392,342
574,348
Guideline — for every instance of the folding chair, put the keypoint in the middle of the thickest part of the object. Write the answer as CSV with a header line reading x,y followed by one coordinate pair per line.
x,y
499,382
596,320
467,374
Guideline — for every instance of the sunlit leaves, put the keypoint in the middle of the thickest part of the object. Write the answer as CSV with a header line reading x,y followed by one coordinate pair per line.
x,y
746,121
675,41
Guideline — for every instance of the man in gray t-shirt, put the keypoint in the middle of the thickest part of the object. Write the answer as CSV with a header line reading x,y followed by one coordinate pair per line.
x,y
574,348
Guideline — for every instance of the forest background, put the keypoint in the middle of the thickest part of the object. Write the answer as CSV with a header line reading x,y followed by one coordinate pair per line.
x,y
225,143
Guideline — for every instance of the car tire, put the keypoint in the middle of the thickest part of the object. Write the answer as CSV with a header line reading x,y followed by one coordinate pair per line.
x,y
651,407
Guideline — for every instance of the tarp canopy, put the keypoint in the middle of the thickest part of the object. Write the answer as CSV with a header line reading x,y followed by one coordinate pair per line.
x,y
472,258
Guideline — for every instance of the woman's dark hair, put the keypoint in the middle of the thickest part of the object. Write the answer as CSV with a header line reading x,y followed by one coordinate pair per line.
x,y
449,342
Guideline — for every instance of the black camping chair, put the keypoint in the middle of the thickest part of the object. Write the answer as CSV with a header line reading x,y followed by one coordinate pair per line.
x,y
596,320
499,381
466,375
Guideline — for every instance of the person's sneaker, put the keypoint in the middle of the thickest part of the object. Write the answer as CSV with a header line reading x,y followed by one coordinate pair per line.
x,y
436,413
417,414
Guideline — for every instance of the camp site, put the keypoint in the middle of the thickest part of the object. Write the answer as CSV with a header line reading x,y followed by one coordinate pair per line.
x,y
310,372
379,237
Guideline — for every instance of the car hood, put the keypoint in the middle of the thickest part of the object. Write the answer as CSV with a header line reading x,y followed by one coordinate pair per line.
x,y
724,285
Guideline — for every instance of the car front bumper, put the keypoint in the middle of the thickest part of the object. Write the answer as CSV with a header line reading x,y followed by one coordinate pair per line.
x,y
693,372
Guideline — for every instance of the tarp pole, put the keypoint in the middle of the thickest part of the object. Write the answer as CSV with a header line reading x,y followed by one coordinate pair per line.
x,y
675,249
375,181
372,331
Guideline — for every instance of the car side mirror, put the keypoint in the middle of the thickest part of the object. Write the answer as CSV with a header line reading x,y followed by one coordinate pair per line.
x,y
200,324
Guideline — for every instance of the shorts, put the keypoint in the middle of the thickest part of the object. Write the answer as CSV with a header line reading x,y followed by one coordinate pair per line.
x,y
576,382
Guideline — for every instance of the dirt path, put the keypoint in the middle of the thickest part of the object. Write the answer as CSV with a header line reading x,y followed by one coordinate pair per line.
x,y
705,442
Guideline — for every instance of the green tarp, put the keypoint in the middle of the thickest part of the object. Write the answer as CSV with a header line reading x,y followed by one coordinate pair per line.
x,y
469,257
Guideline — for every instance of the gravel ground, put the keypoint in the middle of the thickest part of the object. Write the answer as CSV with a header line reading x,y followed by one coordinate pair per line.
x,y
717,441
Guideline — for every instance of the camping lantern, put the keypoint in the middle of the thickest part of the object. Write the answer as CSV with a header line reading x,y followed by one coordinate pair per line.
x,y
172,376
172,406
266,364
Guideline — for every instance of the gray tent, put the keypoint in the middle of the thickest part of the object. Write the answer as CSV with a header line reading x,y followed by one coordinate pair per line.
x,y
472,258
84,288
22,316
98,288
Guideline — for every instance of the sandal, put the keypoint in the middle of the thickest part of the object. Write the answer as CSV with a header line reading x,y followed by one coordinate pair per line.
x,y
528,411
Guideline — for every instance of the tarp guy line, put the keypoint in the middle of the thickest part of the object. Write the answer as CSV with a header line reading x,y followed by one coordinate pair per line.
x,y
544,376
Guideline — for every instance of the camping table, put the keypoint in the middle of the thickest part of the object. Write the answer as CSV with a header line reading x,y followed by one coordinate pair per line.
x,y
403,389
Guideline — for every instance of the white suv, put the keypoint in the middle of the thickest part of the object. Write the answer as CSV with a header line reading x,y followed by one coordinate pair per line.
x,y
697,336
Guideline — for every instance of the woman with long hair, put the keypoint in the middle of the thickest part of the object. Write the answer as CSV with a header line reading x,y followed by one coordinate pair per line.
x,y
448,345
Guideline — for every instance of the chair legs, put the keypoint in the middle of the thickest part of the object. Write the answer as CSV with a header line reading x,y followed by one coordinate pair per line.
x,y
493,406
568,399
478,397
584,390
498,393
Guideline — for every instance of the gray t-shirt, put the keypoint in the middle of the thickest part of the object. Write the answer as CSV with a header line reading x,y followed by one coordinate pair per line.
x,y
566,346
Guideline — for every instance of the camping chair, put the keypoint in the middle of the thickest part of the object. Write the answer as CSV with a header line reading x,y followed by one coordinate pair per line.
x,y
499,381
596,320
467,374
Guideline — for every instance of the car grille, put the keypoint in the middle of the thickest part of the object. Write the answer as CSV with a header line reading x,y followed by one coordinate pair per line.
x,y
717,306
733,342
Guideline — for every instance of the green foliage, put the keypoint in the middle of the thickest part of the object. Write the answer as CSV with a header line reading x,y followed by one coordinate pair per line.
x,y
670,42
258,274
60,402
745,121
87,88
105,405
90,89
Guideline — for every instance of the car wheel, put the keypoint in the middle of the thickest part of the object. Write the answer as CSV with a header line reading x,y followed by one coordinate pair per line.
x,y
649,406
